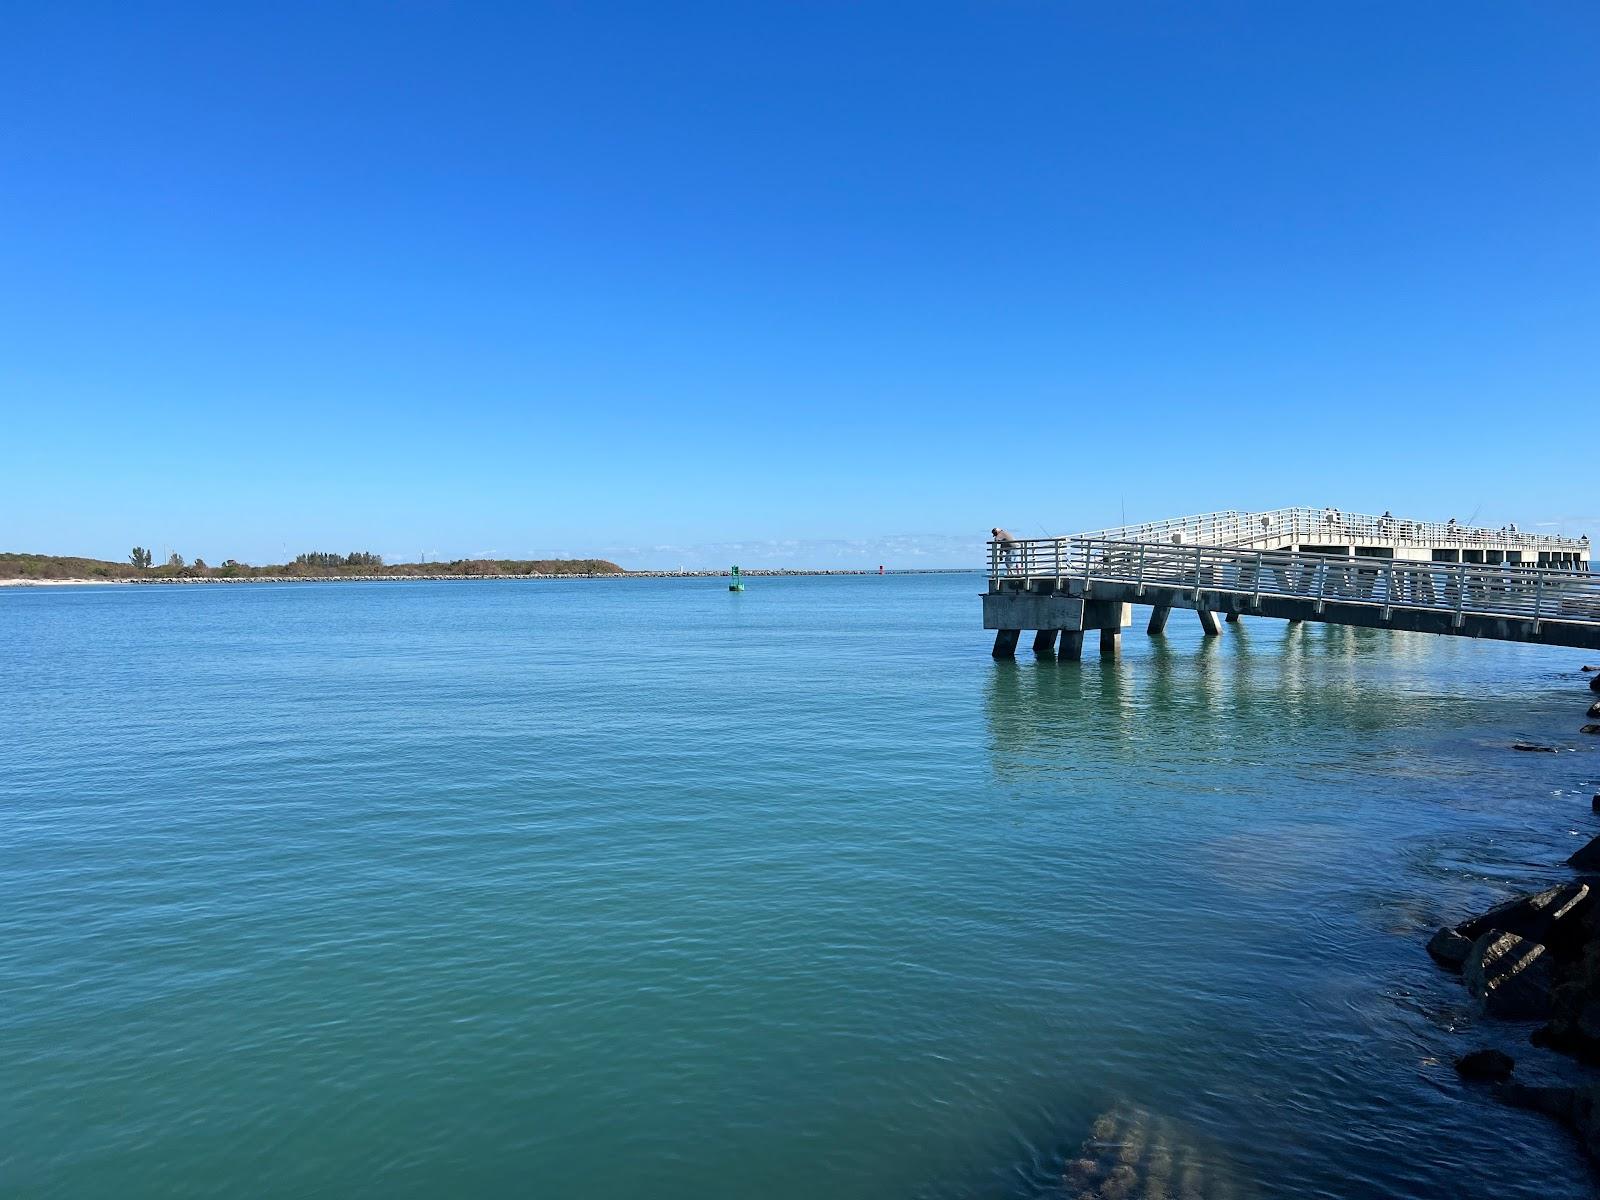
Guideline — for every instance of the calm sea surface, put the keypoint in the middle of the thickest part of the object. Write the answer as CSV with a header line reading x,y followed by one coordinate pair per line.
x,y
645,889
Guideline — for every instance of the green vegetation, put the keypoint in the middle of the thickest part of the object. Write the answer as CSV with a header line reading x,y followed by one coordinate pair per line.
x,y
314,564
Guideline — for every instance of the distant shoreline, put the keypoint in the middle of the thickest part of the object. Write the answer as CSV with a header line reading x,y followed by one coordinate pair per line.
x,y
753,572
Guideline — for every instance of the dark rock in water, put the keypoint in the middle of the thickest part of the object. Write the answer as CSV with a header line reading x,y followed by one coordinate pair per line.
x,y
1449,948
1587,857
1595,803
1594,684
1589,729
1492,1065
1594,710
1553,916
1510,976
1533,748
1587,667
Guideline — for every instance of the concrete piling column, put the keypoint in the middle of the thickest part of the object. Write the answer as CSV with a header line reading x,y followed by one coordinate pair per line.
x,y
1044,642
1233,618
1209,622
1158,619
1005,642
1071,644
1110,642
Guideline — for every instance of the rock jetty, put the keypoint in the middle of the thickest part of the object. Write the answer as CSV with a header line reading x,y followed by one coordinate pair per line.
x,y
1536,958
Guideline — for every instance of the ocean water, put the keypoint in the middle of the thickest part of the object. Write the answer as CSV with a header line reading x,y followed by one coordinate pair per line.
x,y
645,889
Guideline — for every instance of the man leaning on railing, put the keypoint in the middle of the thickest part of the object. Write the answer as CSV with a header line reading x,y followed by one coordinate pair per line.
x,y
1005,550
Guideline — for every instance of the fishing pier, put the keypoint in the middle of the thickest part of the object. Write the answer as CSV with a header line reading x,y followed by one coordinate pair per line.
x,y
1296,564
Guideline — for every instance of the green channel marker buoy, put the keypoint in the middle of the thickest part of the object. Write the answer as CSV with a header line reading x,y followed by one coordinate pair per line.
x,y
736,581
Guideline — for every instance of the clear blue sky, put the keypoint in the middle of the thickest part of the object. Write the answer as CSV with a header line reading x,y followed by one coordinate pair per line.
x,y
653,278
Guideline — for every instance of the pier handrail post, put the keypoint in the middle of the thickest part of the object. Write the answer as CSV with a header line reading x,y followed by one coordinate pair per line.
x,y
1142,548
1058,564
1461,591
1255,600
1388,588
1197,551
1538,601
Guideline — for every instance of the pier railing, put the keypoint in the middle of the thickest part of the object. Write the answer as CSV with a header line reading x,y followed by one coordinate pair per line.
x,y
1319,526
1496,590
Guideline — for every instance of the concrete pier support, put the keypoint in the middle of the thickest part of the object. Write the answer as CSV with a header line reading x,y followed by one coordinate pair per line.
x,y
1209,622
1233,618
1005,642
1158,619
1044,642
1110,643
1071,645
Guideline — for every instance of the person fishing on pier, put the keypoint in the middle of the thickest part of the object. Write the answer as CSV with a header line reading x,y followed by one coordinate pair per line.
x,y
1005,547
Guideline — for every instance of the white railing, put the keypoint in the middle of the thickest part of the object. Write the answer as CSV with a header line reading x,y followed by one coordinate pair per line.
x,y
1477,589
1321,526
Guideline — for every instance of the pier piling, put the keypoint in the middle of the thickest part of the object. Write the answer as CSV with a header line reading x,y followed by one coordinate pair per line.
x,y
1158,619
1044,642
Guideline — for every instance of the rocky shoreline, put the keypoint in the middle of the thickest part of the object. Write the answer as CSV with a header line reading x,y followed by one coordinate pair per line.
x,y
1536,958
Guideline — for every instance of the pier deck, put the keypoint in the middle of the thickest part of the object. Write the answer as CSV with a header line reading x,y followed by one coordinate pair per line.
x,y
1297,565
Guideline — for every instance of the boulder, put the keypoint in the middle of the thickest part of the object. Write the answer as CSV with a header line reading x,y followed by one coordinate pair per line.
x,y
1589,729
1594,683
1594,710
1587,856
1587,667
1534,747
1575,1007
1449,948
1510,976
1553,916
1595,803
1492,1065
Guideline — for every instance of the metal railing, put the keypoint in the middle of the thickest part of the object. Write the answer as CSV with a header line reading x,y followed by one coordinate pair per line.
x,y
1319,526
1460,589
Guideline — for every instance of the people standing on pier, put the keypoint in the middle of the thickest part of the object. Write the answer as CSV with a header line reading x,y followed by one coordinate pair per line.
x,y
1006,546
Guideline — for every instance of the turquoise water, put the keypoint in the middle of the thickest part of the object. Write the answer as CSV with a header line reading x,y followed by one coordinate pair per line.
x,y
645,889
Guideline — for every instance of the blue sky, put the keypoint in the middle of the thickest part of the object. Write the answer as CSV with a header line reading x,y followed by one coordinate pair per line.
x,y
839,281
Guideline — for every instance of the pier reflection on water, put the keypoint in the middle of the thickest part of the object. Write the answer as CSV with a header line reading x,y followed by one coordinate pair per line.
x,y
1262,687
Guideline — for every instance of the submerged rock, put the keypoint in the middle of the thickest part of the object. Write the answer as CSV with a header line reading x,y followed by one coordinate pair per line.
x,y
1594,710
1533,747
1510,976
1594,684
1595,803
1493,1065
1132,1154
1589,729
1576,1107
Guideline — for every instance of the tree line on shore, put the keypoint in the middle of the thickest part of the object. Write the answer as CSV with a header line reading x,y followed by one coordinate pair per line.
x,y
316,564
